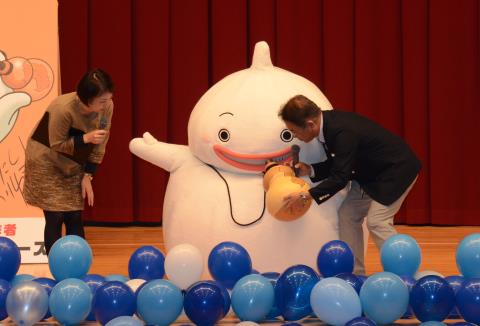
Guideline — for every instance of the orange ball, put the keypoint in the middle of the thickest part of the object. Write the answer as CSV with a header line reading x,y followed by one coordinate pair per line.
x,y
280,181
19,74
41,82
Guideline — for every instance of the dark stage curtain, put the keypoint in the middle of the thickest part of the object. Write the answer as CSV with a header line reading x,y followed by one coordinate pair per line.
x,y
411,65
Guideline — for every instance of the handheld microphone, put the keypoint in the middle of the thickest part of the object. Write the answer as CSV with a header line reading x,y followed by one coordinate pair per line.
x,y
103,122
295,152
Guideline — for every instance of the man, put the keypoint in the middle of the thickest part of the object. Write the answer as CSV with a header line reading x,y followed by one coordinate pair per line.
x,y
380,165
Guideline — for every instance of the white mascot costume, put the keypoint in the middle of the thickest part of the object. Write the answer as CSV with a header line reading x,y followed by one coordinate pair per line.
x,y
215,192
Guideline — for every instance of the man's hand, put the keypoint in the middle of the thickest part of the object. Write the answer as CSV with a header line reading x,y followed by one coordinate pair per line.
x,y
296,200
87,190
95,136
303,169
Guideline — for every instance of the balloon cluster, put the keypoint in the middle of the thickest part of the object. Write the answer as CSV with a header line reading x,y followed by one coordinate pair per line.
x,y
334,295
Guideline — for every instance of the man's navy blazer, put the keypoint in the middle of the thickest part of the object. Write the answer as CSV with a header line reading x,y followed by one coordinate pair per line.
x,y
362,150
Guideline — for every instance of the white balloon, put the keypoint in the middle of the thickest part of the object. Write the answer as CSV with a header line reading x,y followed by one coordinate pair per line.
x,y
184,265
247,323
134,283
420,274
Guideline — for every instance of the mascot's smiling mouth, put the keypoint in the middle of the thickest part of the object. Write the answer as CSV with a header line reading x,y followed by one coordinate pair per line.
x,y
251,162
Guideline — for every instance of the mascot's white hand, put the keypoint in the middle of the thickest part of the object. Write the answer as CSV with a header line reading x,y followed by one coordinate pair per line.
x,y
149,139
9,106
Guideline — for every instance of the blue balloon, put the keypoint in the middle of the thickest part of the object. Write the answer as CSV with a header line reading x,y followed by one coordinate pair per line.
x,y
335,257
147,263
400,254
228,262
226,296
70,301
70,257
48,285
335,301
361,321
9,258
468,300
20,278
252,297
4,288
159,302
462,323
455,282
94,281
362,278
27,303
113,299
204,303
384,297
292,291
409,282
432,298
124,321
432,323
468,256
351,279
273,277
116,277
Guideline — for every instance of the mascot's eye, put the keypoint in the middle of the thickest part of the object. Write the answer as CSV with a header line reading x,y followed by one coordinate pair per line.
x,y
286,135
224,135
5,67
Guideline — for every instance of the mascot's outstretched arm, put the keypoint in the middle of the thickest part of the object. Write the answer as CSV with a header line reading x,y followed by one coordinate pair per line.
x,y
167,156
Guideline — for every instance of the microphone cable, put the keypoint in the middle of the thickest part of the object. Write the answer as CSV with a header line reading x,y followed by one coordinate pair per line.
x,y
230,200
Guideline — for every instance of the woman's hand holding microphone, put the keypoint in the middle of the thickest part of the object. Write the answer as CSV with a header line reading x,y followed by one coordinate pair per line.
x,y
96,136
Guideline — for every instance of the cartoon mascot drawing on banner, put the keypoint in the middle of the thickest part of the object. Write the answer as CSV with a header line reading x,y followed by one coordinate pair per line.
x,y
21,82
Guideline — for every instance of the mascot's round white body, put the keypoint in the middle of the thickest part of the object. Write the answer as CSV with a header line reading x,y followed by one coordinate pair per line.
x,y
215,192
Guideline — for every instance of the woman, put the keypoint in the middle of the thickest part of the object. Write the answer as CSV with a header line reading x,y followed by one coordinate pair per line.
x,y
64,151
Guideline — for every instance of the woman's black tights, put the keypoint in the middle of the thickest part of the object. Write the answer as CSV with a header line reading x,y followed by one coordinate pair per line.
x,y
53,226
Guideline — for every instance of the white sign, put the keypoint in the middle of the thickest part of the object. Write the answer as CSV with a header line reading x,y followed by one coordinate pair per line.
x,y
27,233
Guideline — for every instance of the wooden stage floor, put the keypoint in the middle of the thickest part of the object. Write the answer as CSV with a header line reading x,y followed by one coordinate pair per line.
x,y
112,248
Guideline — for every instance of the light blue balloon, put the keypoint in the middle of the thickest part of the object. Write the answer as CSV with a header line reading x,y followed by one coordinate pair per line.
x,y
20,278
27,303
116,277
70,301
384,297
69,257
252,297
401,255
159,302
335,301
468,256
124,321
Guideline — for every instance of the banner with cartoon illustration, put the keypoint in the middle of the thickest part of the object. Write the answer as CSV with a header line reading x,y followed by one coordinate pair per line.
x,y
29,64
